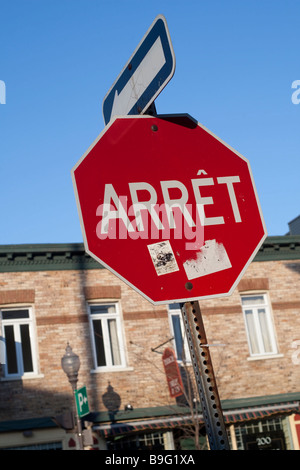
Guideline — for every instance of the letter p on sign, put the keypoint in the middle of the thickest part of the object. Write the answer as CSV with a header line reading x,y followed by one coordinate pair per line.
x,y
82,402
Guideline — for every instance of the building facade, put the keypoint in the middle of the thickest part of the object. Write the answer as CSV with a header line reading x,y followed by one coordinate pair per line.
x,y
52,295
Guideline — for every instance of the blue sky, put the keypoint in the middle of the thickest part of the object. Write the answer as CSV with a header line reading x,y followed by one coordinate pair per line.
x,y
235,65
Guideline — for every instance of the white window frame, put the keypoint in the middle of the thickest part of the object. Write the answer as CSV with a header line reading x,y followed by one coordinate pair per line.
x,y
254,308
104,318
16,324
176,311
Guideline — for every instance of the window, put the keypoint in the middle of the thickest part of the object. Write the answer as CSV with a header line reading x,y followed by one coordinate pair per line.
x,y
49,446
150,441
19,343
273,426
107,341
177,330
259,325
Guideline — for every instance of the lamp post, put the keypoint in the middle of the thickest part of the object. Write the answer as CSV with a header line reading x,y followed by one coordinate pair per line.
x,y
70,364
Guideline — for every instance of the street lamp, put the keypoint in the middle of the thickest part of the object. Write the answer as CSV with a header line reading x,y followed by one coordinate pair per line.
x,y
70,364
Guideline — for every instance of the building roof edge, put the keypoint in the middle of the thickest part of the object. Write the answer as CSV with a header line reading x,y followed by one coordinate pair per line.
x,y
72,256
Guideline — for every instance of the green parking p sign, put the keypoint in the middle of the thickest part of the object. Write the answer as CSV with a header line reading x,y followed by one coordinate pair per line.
x,y
82,402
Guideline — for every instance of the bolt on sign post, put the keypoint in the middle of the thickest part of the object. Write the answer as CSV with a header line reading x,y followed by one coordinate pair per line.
x,y
165,194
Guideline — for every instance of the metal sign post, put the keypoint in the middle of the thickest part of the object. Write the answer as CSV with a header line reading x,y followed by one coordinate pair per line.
x,y
204,375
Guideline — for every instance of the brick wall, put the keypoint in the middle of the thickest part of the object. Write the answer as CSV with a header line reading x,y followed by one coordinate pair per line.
x,y
237,375
59,300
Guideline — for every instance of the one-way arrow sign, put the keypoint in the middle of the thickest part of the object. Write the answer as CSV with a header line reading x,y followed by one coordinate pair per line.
x,y
146,73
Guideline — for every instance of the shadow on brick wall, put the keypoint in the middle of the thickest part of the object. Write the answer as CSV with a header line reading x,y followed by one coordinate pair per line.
x,y
111,401
20,401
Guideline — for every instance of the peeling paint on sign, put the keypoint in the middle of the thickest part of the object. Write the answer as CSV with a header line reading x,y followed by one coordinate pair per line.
x,y
210,259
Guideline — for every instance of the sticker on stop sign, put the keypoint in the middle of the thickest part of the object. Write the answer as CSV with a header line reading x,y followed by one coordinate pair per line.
x,y
168,207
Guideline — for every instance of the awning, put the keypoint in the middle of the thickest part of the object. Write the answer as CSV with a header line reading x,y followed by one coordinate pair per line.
x,y
164,423
260,412
115,429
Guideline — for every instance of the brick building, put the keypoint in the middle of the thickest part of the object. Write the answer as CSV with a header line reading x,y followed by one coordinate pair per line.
x,y
54,294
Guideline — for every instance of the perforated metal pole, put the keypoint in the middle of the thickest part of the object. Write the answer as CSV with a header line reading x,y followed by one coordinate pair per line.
x,y
204,375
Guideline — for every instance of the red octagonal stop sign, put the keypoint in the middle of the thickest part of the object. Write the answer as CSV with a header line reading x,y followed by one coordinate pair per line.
x,y
168,207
